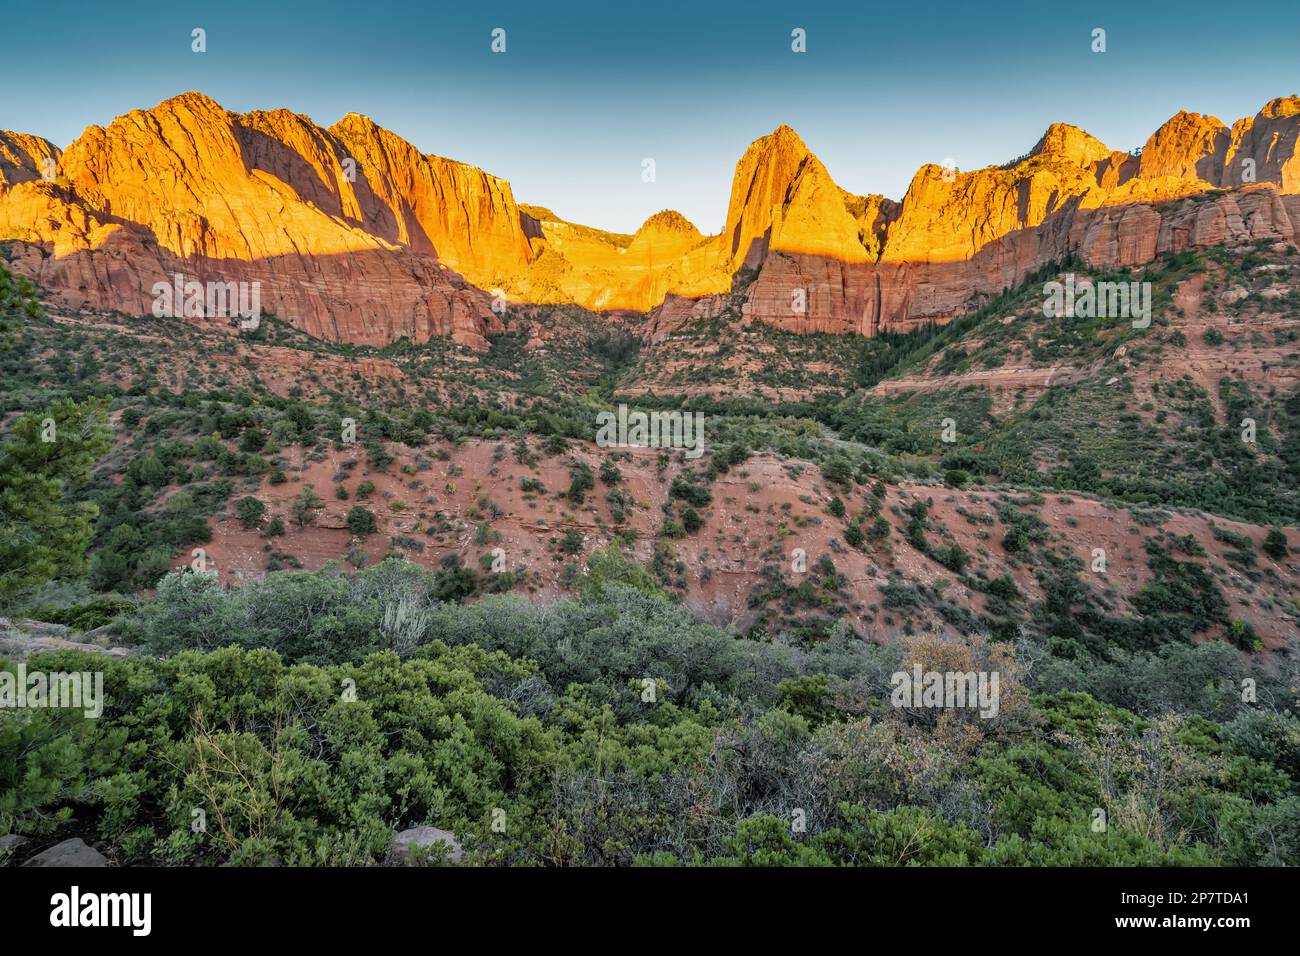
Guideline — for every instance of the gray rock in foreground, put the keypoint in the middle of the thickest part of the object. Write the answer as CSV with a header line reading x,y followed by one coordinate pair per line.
x,y
408,843
72,852
12,844
19,640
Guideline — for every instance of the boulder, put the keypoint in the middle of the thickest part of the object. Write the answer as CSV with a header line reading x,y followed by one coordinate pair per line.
x,y
19,640
408,844
72,852
12,844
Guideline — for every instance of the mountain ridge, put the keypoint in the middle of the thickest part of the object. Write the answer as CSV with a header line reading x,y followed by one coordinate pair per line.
x,y
358,236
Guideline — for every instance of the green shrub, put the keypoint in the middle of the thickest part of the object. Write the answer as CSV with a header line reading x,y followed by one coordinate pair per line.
x,y
251,512
361,521
1275,544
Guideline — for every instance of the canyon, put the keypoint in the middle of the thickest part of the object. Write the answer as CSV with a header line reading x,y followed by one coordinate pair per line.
x,y
356,236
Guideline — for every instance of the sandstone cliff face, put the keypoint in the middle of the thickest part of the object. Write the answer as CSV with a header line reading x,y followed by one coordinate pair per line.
x,y
437,206
783,199
1270,140
188,188
24,158
1189,146
355,235
959,234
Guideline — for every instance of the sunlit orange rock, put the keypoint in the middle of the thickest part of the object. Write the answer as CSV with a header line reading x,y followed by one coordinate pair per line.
x,y
355,235
958,235
1189,146
24,158
1269,139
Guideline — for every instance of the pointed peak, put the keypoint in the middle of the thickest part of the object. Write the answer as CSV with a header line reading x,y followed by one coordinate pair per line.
x,y
352,118
191,99
785,138
357,124
782,141
1063,141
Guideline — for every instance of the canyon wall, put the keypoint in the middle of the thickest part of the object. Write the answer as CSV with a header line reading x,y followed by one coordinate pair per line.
x,y
355,235
1195,183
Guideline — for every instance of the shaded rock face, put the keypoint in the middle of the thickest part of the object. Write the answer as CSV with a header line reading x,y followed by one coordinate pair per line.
x,y
354,235
24,158
1270,140
72,852
676,311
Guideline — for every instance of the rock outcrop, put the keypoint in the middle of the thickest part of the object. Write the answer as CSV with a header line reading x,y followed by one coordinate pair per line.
x,y
25,158
958,235
74,852
419,844
19,640
352,234
10,844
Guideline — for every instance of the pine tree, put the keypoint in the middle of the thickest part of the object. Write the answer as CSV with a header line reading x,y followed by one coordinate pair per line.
x,y
43,533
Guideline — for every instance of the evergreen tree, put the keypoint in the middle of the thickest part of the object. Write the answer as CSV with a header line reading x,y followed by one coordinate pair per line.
x,y
43,533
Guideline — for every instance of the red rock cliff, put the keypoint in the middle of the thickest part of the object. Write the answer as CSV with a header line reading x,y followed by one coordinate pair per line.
x,y
355,235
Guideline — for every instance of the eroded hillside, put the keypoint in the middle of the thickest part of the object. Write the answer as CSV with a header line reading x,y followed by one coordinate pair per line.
x,y
1094,486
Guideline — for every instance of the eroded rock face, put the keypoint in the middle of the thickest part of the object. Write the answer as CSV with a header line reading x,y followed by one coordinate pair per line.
x,y
676,311
192,189
958,234
354,235
1270,141
465,217
783,199
1189,146
24,158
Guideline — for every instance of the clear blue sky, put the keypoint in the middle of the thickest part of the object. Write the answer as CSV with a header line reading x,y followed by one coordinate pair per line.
x,y
585,92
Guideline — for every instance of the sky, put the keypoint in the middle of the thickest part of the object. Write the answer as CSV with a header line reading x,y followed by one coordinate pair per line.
x,y
585,92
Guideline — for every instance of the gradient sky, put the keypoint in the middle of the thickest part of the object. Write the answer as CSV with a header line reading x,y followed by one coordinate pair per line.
x,y
582,96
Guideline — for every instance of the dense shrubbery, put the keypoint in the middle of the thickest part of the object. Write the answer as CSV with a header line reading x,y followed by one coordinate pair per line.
x,y
614,728
311,715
